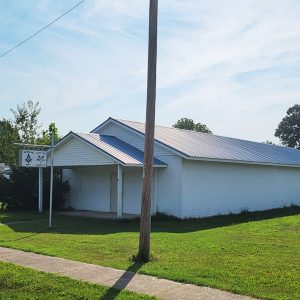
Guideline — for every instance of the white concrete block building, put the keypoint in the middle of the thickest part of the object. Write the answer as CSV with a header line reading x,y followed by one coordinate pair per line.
x,y
195,174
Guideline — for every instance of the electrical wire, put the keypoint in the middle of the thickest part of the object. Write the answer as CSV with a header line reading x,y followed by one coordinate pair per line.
x,y
39,31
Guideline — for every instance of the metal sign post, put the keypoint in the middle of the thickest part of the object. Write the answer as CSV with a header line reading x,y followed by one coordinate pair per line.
x,y
34,159
40,206
38,159
51,181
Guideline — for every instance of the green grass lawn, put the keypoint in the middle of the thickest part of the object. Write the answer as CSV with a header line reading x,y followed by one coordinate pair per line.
x,y
257,254
12,216
23,283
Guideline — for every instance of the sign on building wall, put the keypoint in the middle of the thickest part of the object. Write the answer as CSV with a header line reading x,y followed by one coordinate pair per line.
x,y
33,159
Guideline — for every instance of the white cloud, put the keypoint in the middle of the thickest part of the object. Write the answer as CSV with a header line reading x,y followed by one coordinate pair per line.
x,y
231,64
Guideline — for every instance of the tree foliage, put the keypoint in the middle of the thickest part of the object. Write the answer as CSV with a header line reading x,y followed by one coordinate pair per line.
x,y
269,142
5,191
8,136
288,130
20,190
189,124
23,188
45,138
26,121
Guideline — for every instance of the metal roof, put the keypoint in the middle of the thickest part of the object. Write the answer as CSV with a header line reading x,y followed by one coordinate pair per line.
x,y
197,145
114,147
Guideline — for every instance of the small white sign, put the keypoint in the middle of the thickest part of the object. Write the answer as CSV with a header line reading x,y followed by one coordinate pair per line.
x,y
34,159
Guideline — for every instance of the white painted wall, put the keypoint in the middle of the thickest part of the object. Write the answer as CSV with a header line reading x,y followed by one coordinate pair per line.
x,y
132,190
90,188
210,188
94,189
169,187
76,152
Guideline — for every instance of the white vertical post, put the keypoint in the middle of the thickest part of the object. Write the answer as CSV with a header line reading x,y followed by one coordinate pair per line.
x,y
154,208
40,190
51,181
120,192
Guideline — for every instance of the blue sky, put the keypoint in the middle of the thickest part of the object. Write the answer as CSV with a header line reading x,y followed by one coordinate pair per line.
x,y
233,65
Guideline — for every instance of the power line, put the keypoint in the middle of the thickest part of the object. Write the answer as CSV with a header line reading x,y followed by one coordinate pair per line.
x,y
36,33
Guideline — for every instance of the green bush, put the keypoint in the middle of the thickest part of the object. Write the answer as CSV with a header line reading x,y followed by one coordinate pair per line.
x,y
5,191
20,191
24,183
60,188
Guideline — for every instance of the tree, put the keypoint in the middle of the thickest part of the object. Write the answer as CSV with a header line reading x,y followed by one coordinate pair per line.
x,y
20,190
202,128
185,123
269,142
23,189
8,136
45,139
5,191
189,124
288,130
26,121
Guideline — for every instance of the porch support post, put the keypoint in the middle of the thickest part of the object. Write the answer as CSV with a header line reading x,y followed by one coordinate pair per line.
x,y
154,207
40,206
120,192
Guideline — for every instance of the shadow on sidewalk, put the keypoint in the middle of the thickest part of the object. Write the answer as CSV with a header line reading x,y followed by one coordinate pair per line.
x,y
122,282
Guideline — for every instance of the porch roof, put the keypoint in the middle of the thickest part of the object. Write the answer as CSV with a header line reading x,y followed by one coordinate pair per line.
x,y
115,148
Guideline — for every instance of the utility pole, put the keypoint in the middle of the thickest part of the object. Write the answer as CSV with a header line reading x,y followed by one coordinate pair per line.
x,y
145,225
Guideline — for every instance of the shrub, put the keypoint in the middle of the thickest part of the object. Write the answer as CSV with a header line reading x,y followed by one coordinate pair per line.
x,y
5,191
60,188
21,190
24,193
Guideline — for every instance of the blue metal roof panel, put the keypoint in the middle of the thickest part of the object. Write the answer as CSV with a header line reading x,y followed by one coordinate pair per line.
x,y
199,145
118,149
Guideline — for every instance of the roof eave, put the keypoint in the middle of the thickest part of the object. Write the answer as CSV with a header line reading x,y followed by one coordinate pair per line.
x,y
141,165
242,162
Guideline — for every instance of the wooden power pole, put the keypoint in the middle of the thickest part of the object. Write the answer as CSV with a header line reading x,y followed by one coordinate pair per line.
x,y
145,225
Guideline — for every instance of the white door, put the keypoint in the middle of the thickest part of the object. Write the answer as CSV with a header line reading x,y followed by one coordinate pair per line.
x,y
113,192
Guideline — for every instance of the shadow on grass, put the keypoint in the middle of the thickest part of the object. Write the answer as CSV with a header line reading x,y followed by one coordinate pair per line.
x,y
84,225
23,237
122,282
8,216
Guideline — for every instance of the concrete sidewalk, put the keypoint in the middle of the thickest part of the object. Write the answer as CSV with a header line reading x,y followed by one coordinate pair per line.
x,y
118,279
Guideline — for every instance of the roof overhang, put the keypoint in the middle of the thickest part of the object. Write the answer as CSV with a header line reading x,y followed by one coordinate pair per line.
x,y
72,134
241,162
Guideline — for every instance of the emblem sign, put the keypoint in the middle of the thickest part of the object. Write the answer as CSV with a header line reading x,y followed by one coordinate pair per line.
x,y
33,159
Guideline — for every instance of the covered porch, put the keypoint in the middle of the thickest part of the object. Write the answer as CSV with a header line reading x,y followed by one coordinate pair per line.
x,y
105,175
113,189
